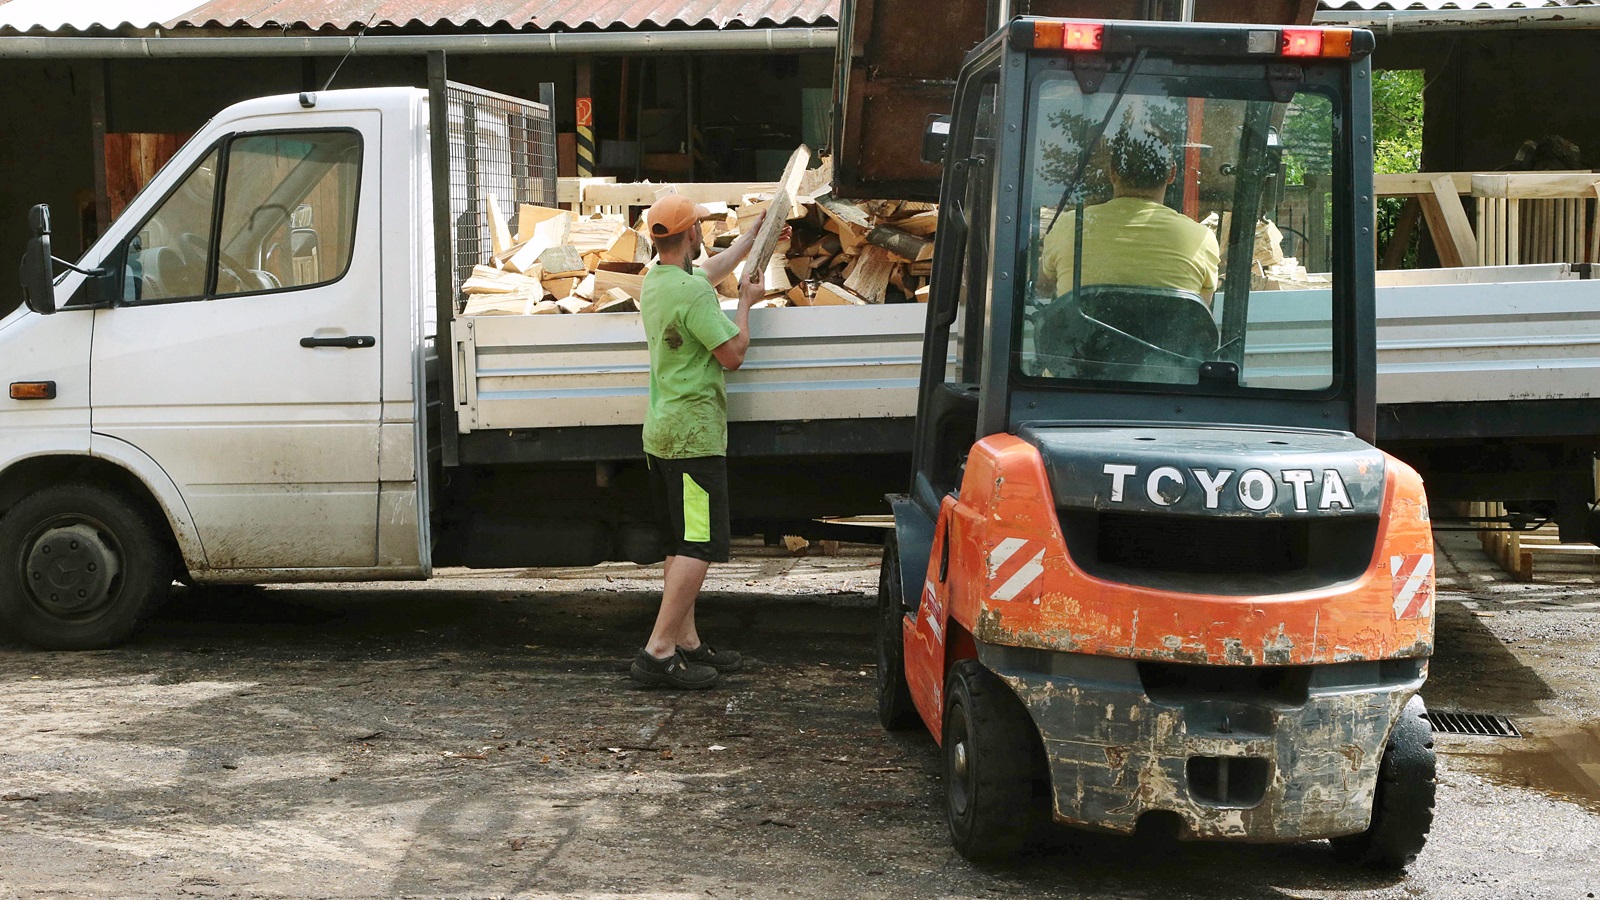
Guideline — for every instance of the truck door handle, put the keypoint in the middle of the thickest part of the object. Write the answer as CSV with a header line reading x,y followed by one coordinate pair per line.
x,y
353,342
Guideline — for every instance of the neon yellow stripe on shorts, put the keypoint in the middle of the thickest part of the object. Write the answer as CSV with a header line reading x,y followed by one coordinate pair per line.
x,y
696,512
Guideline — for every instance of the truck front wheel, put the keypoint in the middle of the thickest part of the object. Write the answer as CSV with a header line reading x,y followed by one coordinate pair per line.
x,y
80,566
1402,808
996,785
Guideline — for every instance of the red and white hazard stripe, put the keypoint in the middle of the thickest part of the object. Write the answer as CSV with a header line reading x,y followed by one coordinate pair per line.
x,y
1413,584
1014,564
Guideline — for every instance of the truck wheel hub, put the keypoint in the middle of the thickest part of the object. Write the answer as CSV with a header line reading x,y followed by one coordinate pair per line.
x,y
70,569
961,759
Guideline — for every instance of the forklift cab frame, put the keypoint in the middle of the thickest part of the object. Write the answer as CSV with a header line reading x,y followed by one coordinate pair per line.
x,y
1152,568
980,291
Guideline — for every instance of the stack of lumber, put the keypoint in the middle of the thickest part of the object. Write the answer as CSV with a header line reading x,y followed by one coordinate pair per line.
x,y
556,262
841,253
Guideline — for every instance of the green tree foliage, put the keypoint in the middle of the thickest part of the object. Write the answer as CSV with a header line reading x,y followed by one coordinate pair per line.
x,y
1397,120
1397,144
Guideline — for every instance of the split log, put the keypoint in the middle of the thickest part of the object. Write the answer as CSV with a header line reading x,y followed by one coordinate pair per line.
x,y
629,246
871,275
574,305
538,229
515,304
595,235
562,261
607,280
817,180
844,212
920,225
829,294
561,288
612,302
909,247
487,280
782,202
499,231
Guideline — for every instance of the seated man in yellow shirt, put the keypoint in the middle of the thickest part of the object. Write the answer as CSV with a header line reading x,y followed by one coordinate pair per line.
x,y
1133,238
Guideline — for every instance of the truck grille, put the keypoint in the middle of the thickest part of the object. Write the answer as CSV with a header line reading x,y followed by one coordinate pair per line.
x,y
1220,555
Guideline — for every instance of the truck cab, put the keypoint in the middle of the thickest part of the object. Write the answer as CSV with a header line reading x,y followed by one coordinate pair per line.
x,y
1150,567
226,386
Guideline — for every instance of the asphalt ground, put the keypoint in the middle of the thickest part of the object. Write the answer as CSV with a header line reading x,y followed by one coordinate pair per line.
x,y
478,736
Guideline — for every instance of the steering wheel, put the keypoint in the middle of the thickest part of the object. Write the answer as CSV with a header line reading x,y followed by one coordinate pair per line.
x,y
196,249
1104,328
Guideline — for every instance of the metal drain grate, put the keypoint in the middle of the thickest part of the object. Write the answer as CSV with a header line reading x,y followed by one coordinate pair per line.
x,y
1473,723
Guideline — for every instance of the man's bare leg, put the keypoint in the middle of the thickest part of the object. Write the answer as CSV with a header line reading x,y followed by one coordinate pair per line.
x,y
681,583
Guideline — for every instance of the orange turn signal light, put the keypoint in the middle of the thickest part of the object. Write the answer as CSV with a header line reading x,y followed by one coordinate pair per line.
x,y
1336,42
1047,35
33,390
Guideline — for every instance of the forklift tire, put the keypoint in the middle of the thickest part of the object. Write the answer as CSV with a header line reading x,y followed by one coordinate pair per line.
x,y
1402,808
80,567
996,783
896,712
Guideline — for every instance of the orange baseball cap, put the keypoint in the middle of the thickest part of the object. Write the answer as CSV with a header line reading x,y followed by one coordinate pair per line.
x,y
674,214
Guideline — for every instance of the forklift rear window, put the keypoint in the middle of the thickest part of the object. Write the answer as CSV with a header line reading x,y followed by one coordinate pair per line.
x,y
1157,204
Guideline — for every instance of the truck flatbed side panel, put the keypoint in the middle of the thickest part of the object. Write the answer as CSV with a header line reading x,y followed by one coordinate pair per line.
x,y
1446,354
1489,342
560,371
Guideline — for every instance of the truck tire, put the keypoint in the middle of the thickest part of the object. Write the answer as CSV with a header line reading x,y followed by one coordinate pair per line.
x,y
1402,808
996,783
896,712
80,567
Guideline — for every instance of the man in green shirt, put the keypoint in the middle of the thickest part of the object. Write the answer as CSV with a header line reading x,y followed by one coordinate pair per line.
x,y
1133,238
686,429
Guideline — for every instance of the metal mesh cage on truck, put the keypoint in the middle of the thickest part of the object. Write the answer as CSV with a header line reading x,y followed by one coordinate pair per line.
x,y
499,145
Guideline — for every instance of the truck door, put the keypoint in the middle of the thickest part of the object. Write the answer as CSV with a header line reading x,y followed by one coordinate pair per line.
x,y
244,357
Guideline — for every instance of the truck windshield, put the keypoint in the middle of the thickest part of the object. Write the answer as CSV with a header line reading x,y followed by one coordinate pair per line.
x,y
1197,195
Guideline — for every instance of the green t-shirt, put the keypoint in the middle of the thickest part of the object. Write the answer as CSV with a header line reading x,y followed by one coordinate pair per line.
x,y
683,323
1133,241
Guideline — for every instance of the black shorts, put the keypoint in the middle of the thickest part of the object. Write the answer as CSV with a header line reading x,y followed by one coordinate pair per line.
x,y
691,499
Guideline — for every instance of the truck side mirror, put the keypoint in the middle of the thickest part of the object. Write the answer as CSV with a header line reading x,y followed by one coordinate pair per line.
x,y
38,278
934,138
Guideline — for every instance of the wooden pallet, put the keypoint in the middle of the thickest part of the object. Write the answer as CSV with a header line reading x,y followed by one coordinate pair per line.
x,y
1517,552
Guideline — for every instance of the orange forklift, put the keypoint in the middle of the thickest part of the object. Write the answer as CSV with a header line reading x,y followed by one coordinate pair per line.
x,y
1151,571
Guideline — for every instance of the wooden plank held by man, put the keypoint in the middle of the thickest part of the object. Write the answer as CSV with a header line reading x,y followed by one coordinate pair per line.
x,y
786,198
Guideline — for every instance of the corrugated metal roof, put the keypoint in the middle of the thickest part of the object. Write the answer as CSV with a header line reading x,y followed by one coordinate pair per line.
x,y
1449,4
548,15
535,15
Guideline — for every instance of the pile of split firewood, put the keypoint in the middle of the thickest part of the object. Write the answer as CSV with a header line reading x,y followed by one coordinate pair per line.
x,y
841,253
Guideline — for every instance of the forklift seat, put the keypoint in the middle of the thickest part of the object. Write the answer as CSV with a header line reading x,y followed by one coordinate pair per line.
x,y
1126,332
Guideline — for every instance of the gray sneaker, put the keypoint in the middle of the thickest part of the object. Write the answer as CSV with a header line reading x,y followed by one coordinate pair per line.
x,y
721,660
673,671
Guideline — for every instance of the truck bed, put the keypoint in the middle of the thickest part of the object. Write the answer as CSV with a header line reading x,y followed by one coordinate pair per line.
x,y
1487,336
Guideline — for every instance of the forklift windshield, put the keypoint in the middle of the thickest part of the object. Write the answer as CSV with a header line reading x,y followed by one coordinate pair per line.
x,y
1179,197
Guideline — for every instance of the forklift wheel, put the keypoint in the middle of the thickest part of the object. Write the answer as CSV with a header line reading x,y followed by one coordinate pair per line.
x,y
996,784
895,709
1402,809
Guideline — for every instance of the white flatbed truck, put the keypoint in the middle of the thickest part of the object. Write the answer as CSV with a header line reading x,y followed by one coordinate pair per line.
x,y
242,380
